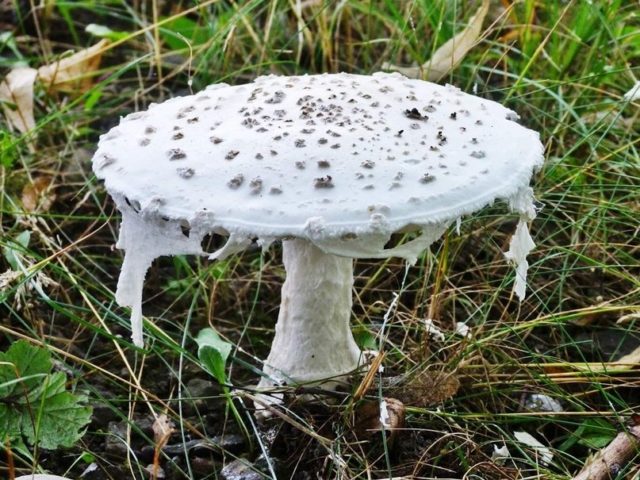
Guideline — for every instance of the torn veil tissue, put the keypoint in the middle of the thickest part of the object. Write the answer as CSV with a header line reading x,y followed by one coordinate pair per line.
x,y
521,243
519,247
144,237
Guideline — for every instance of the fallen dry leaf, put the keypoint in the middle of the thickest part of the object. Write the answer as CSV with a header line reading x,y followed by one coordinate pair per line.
x,y
451,53
16,96
37,195
8,277
543,453
372,417
634,93
73,73
628,318
162,429
630,359
427,388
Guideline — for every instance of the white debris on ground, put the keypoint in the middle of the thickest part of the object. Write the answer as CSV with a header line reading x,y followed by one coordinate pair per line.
x,y
384,414
500,454
539,402
433,330
463,329
543,453
634,93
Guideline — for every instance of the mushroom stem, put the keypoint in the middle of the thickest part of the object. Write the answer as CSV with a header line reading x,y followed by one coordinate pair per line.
x,y
313,338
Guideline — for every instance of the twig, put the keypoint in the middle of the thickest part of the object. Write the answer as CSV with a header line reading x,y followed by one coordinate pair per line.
x,y
610,460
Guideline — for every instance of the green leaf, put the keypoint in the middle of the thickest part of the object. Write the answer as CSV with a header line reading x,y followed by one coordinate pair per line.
x,y
34,403
22,368
8,149
102,31
59,419
92,99
592,432
365,339
12,253
213,352
9,424
597,433
181,30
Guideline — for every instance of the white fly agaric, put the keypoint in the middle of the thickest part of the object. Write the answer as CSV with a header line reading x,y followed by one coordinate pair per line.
x,y
330,164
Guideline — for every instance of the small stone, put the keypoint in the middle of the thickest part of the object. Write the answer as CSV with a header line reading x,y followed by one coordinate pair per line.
x,y
200,396
239,469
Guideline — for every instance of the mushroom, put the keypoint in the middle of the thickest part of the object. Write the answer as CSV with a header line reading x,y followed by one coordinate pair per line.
x,y
340,207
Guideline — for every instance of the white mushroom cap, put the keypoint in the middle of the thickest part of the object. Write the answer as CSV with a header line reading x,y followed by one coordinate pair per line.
x,y
321,157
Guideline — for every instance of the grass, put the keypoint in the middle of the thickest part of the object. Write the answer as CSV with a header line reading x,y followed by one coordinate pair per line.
x,y
563,66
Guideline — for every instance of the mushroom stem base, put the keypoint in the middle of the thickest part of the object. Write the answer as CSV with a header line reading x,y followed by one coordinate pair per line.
x,y
313,341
